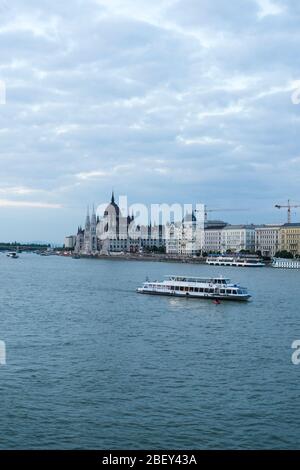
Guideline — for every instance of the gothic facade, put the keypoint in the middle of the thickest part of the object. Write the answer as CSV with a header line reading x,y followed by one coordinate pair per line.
x,y
114,232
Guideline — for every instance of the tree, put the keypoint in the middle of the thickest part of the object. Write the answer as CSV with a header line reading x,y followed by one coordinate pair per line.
x,y
284,254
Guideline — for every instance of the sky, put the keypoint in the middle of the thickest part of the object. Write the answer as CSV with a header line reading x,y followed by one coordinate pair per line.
x,y
168,101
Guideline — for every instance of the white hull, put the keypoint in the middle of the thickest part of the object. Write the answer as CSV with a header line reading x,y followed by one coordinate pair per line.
x,y
235,263
286,267
196,288
189,295
281,263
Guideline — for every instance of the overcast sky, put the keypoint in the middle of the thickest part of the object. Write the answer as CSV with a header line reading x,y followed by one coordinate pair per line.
x,y
163,100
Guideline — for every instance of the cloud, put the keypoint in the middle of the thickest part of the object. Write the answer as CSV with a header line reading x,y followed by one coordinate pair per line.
x,y
269,8
165,100
92,175
99,174
18,190
28,204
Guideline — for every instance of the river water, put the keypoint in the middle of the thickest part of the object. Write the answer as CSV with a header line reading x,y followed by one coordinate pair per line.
x,y
92,364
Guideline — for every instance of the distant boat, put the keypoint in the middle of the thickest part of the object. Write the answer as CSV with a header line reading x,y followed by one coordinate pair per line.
x,y
76,257
286,263
239,261
12,254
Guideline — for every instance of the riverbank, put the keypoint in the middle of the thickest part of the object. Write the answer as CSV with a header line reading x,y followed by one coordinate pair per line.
x,y
154,257
146,257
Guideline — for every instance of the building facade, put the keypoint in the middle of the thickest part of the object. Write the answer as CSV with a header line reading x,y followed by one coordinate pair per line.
x,y
90,245
213,236
290,238
267,240
185,238
151,237
116,233
70,242
174,234
236,238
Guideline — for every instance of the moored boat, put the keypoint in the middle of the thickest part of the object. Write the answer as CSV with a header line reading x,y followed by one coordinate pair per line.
x,y
238,261
286,263
196,287
12,254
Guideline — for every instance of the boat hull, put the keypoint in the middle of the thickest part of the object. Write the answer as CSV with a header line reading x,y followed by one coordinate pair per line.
x,y
238,265
190,295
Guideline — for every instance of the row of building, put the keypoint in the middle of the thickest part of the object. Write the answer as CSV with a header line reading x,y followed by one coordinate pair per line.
x,y
220,237
113,233
266,239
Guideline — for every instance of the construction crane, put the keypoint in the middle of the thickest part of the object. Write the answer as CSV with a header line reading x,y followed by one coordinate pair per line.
x,y
219,210
289,206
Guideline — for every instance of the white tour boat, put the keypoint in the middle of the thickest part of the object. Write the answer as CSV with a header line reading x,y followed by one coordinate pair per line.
x,y
241,261
217,288
286,263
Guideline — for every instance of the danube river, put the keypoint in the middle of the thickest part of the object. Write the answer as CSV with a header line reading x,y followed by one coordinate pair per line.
x,y
92,364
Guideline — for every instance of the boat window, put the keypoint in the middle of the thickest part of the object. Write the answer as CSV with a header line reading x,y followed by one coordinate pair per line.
x,y
206,290
222,291
228,291
211,291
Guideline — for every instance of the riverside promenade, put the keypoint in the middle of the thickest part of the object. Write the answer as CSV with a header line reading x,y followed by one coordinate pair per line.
x,y
158,257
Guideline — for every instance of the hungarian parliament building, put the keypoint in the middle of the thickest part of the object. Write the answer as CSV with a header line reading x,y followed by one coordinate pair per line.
x,y
116,233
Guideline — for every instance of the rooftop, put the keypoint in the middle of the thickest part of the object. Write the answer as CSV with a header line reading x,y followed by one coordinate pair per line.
x,y
237,227
297,224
